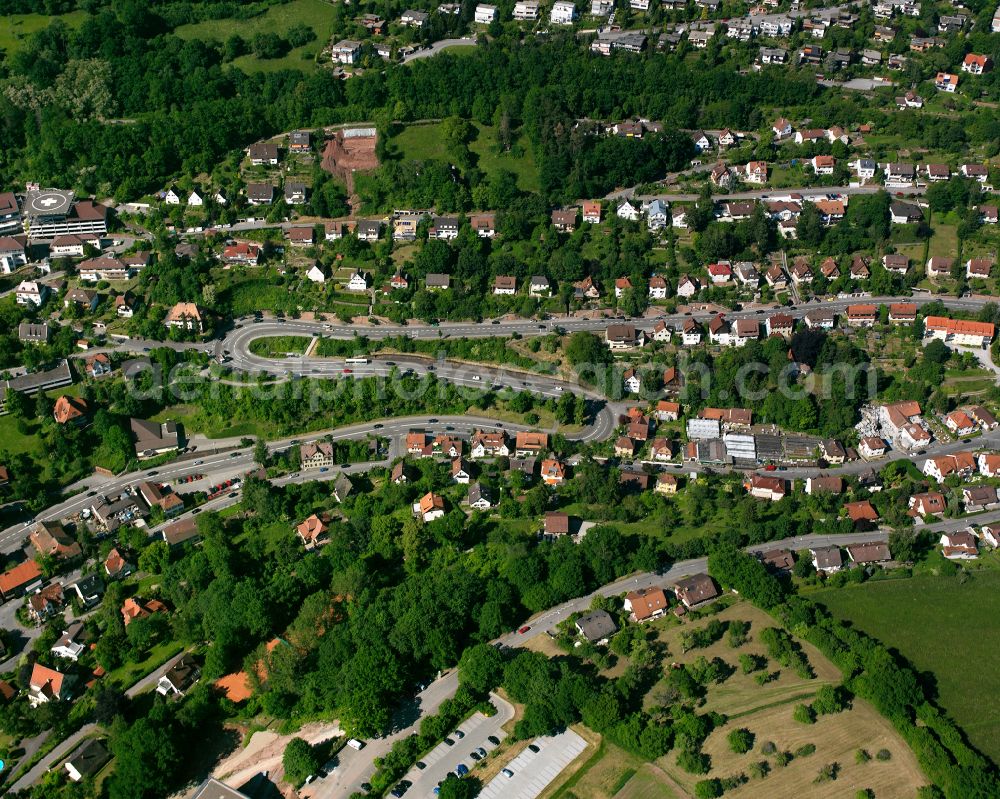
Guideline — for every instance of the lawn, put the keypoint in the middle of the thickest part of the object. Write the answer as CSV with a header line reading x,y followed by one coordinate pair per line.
x,y
14,441
315,14
279,346
131,673
600,776
425,142
18,27
943,627
944,242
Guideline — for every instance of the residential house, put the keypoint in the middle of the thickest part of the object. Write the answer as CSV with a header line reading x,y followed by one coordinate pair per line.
x,y
526,10
946,82
961,332
695,590
978,268
824,485
554,523
564,220
346,51
50,540
938,265
827,560
154,438
862,315
299,141
185,316
20,579
903,313
959,423
371,229
820,319
539,286
480,497
312,532
868,554
628,212
772,489
34,332
632,381
29,292
179,678
246,253
358,282
460,471
563,13
48,685
66,646
88,759
861,513
437,282
666,484
597,627
976,172
46,603
657,288
134,608
116,567
959,546
489,444
316,455
756,172
646,603
687,287
930,503
263,153
430,507
623,337
977,498
962,464
553,472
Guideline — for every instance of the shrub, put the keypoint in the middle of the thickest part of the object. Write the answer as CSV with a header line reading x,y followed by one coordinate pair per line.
x,y
862,756
708,789
768,748
883,755
830,699
805,750
783,758
736,635
804,714
759,770
827,774
299,760
752,663
694,762
865,793
741,740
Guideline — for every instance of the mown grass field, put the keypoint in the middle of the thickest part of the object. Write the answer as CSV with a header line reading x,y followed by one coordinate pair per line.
x,y
425,142
16,28
767,712
943,627
316,14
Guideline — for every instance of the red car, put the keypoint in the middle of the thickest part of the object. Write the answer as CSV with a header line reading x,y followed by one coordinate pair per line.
x,y
348,371
770,467
524,629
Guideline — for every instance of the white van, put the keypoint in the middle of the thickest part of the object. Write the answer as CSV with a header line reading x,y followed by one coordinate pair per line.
x,y
354,743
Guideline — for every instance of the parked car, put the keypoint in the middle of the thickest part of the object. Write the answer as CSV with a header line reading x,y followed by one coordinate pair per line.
x,y
507,772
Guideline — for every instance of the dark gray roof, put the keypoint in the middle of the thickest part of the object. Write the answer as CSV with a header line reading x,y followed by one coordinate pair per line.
x,y
597,625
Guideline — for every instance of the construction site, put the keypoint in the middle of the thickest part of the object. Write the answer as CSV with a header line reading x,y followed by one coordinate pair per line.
x,y
348,151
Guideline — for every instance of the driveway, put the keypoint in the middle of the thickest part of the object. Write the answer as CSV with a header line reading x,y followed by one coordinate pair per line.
x,y
534,771
443,758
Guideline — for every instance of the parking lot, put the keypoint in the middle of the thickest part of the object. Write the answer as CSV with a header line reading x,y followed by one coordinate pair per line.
x,y
443,758
533,771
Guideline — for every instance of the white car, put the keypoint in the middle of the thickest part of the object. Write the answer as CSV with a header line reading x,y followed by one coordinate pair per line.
x,y
476,377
